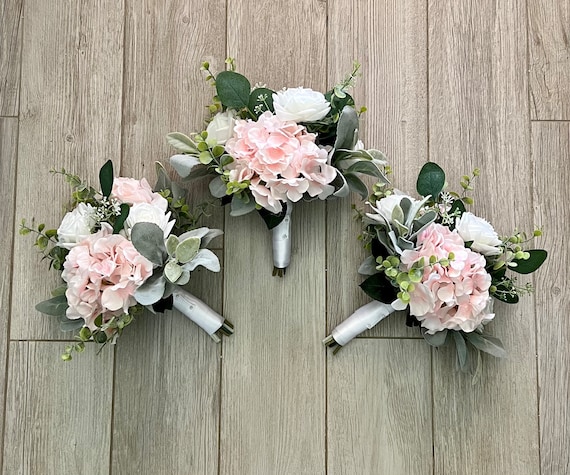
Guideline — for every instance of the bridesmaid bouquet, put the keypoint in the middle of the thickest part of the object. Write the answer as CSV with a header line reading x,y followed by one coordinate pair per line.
x,y
441,264
269,149
117,252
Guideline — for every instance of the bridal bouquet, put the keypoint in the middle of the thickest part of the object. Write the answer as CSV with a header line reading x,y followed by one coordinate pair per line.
x,y
441,264
269,149
118,252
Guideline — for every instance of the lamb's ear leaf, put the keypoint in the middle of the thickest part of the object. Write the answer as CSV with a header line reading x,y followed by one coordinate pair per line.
x,y
148,239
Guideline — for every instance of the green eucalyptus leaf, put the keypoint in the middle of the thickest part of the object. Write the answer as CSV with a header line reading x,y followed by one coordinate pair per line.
x,y
218,187
187,250
379,288
488,344
148,239
55,307
437,339
172,271
240,206
356,185
182,142
526,266
233,90
106,178
431,180
69,325
120,221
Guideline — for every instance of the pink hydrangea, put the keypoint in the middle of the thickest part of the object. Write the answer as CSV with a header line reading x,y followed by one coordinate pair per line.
x,y
453,297
281,159
102,273
131,191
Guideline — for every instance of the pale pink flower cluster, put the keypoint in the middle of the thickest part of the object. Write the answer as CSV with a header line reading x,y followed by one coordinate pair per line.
x,y
453,297
281,160
129,190
102,273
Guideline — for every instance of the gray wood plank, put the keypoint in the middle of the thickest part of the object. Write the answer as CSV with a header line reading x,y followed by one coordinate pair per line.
x,y
58,415
168,360
10,53
8,155
70,118
174,368
549,56
273,376
551,153
479,118
389,39
379,409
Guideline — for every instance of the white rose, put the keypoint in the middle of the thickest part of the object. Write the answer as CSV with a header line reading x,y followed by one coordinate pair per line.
x,y
485,239
221,128
76,226
300,105
385,206
148,213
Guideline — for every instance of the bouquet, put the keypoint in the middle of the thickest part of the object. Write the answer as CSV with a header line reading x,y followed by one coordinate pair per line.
x,y
118,252
269,149
441,264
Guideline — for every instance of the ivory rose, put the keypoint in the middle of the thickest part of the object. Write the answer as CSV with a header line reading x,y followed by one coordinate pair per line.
x,y
221,128
300,104
102,273
76,226
148,213
484,238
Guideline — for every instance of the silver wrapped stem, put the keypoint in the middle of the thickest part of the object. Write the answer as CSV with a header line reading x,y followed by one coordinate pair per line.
x,y
200,313
281,237
362,319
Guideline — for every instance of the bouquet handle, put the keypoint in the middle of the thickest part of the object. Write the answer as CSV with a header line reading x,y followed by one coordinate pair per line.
x,y
362,319
202,315
281,239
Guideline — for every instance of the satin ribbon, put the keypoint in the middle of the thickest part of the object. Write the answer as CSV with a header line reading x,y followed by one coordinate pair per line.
x,y
281,236
362,319
197,311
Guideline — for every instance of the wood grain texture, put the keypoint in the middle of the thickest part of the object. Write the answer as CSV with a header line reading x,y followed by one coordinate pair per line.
x,y
549,55
8,155
380,409
10,53
273,386
551,153
165,90
479,118
389,39
174,368
58,415
70,118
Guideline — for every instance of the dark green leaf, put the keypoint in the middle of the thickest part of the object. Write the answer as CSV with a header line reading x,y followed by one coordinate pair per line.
x,y
457,205
261,98
148,239
504,292
378,249
120,221
55,306
526,266
233,89
69,325
488,344
379,288
437,339
430,180
100,337
106,178
271,219
346,129
356,185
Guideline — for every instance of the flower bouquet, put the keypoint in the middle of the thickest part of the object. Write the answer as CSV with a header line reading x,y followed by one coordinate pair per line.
x,y
441,264
118,252
268,150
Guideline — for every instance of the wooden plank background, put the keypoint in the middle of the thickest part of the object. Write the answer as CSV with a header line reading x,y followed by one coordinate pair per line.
x,y
465,84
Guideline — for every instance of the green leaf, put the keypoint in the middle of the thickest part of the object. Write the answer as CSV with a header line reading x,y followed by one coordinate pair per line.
x,y
462,351
172,271
181,142
356,185
187,249
431,180
106,178
488,344
163,181
437,339
240,206
56,306
218,187
152,290
256,102
367,167
233,90
148,239
120,221
272,219
171,244
526,266
346,129
379,288
69,325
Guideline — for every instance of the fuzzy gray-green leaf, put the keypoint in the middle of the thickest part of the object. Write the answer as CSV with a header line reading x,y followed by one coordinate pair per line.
x,y
148,239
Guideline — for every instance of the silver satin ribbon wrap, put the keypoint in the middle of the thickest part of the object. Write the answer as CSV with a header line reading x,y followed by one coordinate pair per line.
x,y
197,311
281,235
363,319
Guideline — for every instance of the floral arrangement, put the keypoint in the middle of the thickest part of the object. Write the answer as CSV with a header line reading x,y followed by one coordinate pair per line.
x,y
441,264
117,252
269,149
